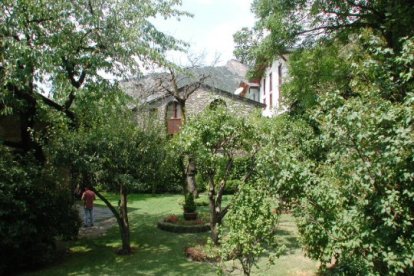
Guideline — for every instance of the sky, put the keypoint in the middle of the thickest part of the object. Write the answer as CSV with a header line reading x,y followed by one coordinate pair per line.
x,y
210,31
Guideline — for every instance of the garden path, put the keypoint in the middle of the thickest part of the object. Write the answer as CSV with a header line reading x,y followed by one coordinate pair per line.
x,y
104,219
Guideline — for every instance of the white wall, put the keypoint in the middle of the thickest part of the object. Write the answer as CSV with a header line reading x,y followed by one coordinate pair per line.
x,y
274,107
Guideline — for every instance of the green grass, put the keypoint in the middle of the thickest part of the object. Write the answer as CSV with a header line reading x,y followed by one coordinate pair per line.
x,y
162,253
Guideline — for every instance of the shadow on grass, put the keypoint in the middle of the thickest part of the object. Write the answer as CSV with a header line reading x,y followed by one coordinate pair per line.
x,y
155,252
290,242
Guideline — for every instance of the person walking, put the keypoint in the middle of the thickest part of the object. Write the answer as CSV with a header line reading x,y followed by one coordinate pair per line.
x,y
88,197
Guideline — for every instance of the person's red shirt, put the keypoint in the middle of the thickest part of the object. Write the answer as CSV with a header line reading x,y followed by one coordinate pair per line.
x,y
88,198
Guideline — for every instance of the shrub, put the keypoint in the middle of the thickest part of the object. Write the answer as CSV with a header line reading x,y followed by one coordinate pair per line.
x,y
232,186
35,210
189,204
201,183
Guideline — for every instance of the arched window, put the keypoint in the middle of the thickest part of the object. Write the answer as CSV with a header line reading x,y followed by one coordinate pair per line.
x,y
216,103
173,117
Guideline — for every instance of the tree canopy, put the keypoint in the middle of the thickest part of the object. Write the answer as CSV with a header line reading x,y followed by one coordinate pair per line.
x,y
68,46
301,23
342,154
54,60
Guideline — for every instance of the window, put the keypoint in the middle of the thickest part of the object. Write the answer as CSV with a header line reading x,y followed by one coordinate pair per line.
x,y
173,110
254,94
217,103
279,75
270,100
264,86
270,82
264,91
173,117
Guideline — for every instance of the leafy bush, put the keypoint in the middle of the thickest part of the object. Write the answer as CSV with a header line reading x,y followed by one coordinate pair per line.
x,y
354,200
232,186
251,227
35,210
201,183
170,175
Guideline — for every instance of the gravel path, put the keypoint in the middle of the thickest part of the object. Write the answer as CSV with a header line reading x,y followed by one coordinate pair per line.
x,y
104,219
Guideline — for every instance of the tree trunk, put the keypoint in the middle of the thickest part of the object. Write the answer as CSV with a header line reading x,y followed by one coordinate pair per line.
x,y
191,167
124,226
190,177
214,215
126,248
214,229
246,267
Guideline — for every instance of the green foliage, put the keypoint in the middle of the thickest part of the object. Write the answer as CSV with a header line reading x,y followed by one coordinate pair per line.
x,y
189,204
293,24
170,176
215,137
250,227
312,72
35,209
113,150
244,41
68,46
60,38
346,162
232,186
343,156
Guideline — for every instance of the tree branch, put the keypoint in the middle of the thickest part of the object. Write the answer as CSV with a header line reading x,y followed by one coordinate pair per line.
x,y
70,70
90,7
58,107
334,27
362,7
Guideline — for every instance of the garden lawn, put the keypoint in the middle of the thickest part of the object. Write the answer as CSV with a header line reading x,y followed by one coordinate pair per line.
x,y
162,253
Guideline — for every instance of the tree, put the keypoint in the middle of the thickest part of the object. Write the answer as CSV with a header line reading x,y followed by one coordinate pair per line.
x,y
250,226
111,152
244,41
179,83
172,85
298,24
114,155
343,161
67,44
36,209
335,157
215,139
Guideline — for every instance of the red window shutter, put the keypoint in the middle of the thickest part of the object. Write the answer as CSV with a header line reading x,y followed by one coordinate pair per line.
x,y
174,125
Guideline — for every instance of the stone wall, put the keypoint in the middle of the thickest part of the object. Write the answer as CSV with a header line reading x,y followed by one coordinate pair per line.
x,y
202,98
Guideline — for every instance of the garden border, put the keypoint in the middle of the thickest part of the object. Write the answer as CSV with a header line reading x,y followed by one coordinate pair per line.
x,y
176,228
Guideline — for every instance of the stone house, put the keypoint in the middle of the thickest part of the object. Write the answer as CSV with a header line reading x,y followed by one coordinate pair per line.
x,y
271,88
269,84
218,86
